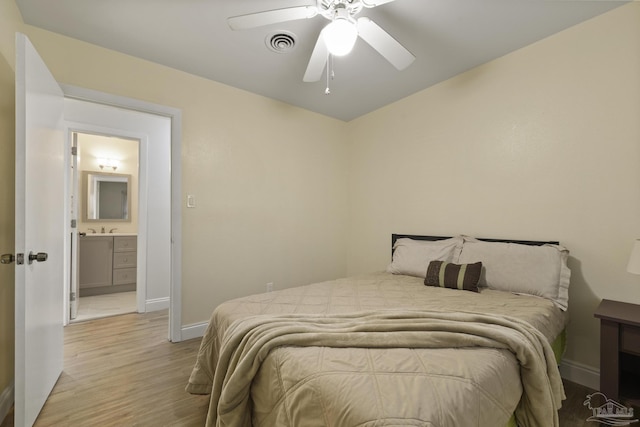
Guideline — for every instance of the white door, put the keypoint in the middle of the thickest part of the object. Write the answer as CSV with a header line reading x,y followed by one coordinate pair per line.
x,y
40,228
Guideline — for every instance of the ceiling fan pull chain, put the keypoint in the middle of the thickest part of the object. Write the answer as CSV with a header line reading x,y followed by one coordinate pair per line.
x,y
330,73
333,73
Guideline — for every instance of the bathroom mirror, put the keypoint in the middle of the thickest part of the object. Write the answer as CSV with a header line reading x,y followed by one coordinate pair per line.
x,y
107,196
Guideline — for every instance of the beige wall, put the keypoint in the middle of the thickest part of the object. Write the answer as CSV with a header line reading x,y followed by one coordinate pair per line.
x,y
268,177
543,143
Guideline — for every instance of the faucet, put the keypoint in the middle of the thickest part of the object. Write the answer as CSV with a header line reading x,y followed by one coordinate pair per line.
x,y
112,230
102,231
93,231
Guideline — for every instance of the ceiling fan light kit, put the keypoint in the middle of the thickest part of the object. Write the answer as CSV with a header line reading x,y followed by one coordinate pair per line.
x,y
338,37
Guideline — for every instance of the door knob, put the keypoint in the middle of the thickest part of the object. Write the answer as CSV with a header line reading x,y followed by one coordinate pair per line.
x,y
7,259
39,257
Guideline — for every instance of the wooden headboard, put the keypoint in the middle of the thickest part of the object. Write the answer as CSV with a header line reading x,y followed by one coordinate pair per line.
x,y
395,237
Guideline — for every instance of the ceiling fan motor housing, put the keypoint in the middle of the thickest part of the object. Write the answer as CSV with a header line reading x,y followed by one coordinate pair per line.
x,y
331,9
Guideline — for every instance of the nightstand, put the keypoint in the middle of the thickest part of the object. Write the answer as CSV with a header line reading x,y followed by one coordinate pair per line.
x,y
619,350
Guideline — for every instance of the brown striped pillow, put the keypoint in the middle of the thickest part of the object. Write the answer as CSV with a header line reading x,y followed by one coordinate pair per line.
x,y
454,276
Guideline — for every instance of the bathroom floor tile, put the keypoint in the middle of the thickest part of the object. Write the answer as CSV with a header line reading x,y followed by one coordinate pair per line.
x,y
97,306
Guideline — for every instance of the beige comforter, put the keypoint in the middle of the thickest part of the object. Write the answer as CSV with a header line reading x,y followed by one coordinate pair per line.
x,y
333,363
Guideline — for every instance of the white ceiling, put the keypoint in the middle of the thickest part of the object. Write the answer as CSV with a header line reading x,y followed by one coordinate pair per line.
x,y
446,36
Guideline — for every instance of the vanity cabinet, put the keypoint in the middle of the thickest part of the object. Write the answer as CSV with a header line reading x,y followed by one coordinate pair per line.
x,y
125,257
96,261
107,264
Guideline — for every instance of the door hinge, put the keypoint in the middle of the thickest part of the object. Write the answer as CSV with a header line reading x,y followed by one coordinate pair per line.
x,y
74,151
72,296
73,223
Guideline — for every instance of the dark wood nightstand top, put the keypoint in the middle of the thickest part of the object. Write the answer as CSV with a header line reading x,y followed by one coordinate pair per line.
x,y
620,312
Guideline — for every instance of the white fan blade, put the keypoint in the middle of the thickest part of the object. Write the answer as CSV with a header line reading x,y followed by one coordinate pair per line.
x,y
386,45
374,3
259,19
317,62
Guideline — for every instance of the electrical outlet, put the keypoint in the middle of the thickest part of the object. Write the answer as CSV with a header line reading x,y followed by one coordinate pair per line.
x,y
270,287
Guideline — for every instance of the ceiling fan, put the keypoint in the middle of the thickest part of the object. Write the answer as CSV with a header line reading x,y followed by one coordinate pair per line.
x,y
338,37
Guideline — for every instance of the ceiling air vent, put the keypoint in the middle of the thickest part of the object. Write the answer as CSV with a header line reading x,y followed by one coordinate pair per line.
x,y
281,42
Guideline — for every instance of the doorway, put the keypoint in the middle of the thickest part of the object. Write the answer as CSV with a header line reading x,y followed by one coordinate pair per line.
x,y
157,225
105,205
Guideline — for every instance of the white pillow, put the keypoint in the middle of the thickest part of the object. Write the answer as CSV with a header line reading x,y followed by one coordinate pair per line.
x,y
535,270
412,257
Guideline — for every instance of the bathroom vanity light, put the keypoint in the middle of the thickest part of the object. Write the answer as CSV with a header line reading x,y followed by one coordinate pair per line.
x,y
108,163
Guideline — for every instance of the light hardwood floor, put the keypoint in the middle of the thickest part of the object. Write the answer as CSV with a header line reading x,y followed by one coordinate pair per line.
x,y
122,371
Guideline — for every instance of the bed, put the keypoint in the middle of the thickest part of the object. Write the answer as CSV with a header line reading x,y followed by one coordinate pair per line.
x,y
388,349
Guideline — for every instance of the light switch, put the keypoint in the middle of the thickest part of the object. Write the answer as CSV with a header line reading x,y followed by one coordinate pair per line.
x,y
191,201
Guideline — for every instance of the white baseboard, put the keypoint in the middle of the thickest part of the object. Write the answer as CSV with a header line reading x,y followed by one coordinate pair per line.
x,y
195,330
580,374
6,400
156,304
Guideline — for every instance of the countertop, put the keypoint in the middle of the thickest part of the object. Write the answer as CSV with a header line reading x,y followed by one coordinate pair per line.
x,y
109,234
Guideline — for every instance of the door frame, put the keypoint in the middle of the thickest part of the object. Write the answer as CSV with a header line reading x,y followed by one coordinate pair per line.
x,y
175,115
